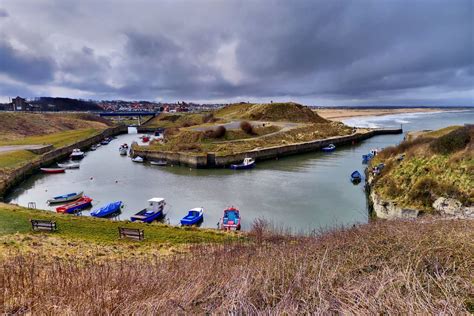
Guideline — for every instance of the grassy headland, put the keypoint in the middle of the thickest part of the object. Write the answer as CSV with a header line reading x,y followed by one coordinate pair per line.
x,y
226,131
408,267
435,164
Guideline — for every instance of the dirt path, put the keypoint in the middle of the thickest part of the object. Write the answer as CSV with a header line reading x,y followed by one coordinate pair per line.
x,y
4,149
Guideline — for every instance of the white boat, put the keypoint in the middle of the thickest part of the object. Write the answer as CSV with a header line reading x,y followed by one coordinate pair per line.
x,y
72,165
159,163
123,151
137,159
77,154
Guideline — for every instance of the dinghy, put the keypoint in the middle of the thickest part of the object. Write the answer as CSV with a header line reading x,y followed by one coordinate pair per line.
x,y
195,216
82,203
356,177
65,198
248,163
123,151
53,170
154,211
329,148
231,219
138,159
73,165
108,210
158,163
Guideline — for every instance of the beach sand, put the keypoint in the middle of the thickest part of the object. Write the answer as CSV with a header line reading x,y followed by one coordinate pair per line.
x,y
341,114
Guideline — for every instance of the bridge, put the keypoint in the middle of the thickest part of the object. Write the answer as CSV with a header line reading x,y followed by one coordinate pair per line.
x,y
130,113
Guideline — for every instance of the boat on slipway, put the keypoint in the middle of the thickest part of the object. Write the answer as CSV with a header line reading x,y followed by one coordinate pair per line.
x,y
154,211
76,206
194,217
108,210
65,198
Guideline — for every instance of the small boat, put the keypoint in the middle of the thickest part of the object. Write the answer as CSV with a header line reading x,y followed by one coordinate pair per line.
x,y
248,163
123,151
194,216
82,203
124,145
76,154
356,177
231,219
72,165
367,158
137,159
154,211
108,210
105,141
53,170
329,148
159,163
146,139
94,147
65,198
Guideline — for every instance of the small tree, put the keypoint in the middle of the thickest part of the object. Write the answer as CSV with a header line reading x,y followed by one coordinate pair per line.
x,y
247,127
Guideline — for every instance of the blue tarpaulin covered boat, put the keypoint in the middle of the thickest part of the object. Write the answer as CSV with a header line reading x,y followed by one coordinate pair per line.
x,y
108,210
194,216
356,176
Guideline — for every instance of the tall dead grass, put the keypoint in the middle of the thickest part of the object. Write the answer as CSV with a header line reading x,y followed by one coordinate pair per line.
x,y
396,267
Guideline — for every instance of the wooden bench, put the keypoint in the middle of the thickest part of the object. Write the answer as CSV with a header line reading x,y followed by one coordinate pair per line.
x,y
133,233
39,224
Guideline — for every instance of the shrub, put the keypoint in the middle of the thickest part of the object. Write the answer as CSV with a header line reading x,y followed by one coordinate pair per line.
x,y
209,118
219,132
169,132
247,127
452,142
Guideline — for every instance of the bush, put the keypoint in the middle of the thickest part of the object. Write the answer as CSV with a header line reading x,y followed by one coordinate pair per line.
x,y
209,118
169,132
219,132
247,127
452,142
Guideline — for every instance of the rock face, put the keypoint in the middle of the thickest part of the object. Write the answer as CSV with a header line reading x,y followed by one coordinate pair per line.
x,y
452,207
390,209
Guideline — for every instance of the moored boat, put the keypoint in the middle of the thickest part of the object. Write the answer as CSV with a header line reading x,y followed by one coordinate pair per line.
x,y
195,216
108,210
159,163
65,198
123,151
231,219
146,139
356,177
72,165
154,211
53,170
248,163
138,159
330,147
94,147
80,204
76,154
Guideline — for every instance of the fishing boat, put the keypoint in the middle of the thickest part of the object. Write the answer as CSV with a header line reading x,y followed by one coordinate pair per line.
x,y
231,219
123,151
76,154
248,163
80,204
138,159
53,170
195,216
154,211
72,165
65,198
329,148
356,177
108,210
159,163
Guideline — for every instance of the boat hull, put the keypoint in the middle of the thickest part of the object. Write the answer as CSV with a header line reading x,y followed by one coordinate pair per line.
x,y
242,166
65,198
53,170
74,207
147,218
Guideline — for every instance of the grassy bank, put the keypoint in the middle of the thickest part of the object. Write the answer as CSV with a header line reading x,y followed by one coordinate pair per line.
x,y
399,267
435,164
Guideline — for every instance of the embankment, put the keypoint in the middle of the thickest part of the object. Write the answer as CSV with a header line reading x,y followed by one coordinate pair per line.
x,y
19,174
211,160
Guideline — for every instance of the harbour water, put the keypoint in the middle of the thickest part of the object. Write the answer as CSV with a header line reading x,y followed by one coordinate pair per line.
x,y
301,193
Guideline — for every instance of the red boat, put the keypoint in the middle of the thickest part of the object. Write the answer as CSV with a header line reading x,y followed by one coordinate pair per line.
x,y
75,206
231,219
53,170
145,139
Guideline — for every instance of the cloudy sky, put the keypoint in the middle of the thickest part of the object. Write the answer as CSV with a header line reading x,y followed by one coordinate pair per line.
x,y
316,52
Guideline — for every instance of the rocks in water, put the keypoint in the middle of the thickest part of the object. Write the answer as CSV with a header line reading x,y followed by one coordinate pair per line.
x,y
452,207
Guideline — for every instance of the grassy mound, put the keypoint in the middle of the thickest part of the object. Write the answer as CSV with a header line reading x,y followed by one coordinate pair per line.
x,y
274,112
168,120
397,267
436,164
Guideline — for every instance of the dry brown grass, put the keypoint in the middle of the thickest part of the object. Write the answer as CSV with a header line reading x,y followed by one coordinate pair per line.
x,y
396,267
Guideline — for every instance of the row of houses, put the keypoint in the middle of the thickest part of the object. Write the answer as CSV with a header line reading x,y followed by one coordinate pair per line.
x,y
20,104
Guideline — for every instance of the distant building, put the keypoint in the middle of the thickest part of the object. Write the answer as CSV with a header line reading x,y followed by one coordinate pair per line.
x,y
20,104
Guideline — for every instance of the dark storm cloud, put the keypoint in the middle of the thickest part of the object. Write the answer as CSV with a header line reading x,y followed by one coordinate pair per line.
x,y
304,50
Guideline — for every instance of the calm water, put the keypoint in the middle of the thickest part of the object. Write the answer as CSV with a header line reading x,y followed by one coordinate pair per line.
x,y
305,192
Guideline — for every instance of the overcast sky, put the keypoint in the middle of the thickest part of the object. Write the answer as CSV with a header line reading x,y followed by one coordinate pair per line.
x,y
316,52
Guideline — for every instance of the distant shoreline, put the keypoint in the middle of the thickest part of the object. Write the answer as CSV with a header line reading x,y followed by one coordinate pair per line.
x,y
342,114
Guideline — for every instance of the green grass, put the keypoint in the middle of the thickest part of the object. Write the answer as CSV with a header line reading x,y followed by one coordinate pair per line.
x,y
59,139
17,158
14,219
